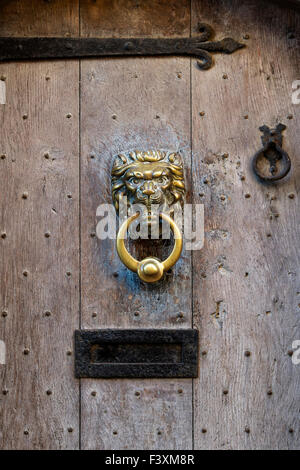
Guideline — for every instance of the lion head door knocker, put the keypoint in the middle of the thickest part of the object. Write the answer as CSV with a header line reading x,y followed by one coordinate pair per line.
x,y
278,161
146,180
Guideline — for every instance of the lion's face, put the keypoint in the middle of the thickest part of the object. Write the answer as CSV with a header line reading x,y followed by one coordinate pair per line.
x,y
154,177
149,184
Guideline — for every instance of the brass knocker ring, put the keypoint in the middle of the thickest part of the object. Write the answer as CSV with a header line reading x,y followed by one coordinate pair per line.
x,y
149,269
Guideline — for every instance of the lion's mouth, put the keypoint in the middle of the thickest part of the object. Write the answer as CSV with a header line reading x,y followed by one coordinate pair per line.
x,y
150,214
148,200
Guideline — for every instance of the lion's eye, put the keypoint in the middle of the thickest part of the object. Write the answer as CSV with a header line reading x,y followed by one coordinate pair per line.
x,y
162,179
134,180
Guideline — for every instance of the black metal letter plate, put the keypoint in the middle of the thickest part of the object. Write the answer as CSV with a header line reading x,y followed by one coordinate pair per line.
x,y
136,353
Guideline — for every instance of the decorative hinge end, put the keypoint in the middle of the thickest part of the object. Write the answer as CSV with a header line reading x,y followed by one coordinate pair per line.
x,y
229,45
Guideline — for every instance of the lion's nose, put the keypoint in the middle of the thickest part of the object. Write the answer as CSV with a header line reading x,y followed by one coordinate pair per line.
x,y
148,189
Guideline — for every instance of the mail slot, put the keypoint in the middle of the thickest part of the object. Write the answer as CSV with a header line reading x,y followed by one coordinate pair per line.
x,y
136,353
125,353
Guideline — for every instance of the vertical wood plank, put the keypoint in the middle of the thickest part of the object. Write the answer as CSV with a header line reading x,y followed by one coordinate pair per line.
x,y
131,104
246,278
39,244
39,247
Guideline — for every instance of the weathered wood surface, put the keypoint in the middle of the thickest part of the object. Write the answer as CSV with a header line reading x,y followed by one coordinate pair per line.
x,y
245,291
112,296
39,18
39,181
132,18
246,279
132,104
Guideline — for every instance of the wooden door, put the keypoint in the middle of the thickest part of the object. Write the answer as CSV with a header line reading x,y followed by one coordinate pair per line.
x,y
60,123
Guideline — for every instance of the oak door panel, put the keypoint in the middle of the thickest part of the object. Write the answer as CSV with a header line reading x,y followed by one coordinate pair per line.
x,y
129,104
39,181
246,278
39,255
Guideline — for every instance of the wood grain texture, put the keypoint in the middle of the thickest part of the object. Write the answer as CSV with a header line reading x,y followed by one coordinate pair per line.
x,y
129,104
135,18
38,172
135,92
39,18
39,180
246,278
245,290
132,104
